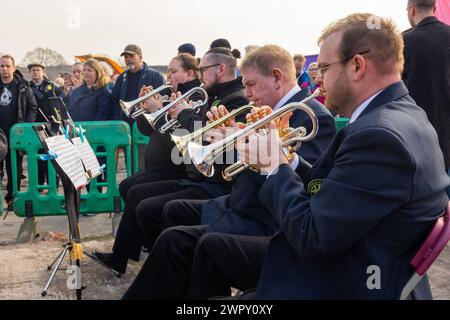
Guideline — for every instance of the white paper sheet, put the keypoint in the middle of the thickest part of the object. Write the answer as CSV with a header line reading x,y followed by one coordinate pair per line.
x,y
87,157
68,159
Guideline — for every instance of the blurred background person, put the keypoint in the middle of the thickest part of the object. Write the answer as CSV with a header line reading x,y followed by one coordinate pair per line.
x,y
17,104
43,89
91,101
427,68
302,75
187,48
73,80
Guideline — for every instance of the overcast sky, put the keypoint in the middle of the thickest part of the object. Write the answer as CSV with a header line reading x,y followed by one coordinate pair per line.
x,y
75,27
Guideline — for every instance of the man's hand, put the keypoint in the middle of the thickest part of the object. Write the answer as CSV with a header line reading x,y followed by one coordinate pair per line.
x,y
220,132
152,103
76,83
263,151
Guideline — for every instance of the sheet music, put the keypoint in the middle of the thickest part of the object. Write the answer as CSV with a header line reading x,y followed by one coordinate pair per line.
x,y
87,157
68,159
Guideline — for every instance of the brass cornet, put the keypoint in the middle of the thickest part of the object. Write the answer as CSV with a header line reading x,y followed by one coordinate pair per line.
x,y
182,141
131,108
203,157
153,117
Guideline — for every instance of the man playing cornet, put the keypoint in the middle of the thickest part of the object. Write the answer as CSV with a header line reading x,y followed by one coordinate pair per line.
x,y
269,79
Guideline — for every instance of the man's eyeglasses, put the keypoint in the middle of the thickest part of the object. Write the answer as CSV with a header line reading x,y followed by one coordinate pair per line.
x,y
324,67
203,69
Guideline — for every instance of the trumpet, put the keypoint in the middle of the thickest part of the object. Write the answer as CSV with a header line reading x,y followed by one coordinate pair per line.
x,y
130,108
153,117
203,157
182,141
291,142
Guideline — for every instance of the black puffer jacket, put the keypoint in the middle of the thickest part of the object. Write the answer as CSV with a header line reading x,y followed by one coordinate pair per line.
x,y
27,108
159,149
231,95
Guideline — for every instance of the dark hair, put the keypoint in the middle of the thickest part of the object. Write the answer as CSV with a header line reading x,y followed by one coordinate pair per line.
x,y
236,53
187,48
423,4
223,55
220,43
188,62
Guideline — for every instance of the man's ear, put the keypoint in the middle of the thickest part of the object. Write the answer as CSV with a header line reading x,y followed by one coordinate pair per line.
x,y
278,76
358,66
222,69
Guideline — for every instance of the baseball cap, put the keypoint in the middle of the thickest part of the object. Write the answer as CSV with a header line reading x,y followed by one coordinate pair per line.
x,y
35,64
132,49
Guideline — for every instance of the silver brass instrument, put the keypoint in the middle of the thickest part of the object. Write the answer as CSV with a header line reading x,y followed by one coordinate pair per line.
x,y
182,141
131,108
155,116
203,157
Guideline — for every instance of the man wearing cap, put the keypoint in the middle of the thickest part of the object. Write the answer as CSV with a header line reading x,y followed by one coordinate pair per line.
x,y
130,82
43,89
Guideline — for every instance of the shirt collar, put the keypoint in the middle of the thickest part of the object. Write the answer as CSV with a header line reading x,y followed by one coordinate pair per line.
x,y
362,107
296,89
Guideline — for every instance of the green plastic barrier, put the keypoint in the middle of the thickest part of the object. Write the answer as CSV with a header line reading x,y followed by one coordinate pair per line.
x,y
341,122
138,139
32,200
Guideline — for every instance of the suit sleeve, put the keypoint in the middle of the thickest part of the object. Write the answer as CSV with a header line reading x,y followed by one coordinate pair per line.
x,y
371,176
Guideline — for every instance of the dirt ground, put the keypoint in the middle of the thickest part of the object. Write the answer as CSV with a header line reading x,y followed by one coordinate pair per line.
x,y
23,267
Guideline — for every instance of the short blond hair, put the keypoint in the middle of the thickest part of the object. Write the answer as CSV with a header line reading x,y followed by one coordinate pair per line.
x,y
363,32
266,58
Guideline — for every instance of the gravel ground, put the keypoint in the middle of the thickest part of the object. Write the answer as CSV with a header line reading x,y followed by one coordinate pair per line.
x,y
23,267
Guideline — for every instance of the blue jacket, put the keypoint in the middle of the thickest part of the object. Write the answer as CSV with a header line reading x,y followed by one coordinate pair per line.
x,y
241,212
86,104
147,77
380,187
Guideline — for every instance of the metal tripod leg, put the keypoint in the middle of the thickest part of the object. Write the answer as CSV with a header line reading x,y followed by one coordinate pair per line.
x,y
49,267
58,263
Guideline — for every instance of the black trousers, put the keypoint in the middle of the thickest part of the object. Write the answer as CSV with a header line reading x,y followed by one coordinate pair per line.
x,y
182,213
149,212
181,254
144,177
9,185
141,220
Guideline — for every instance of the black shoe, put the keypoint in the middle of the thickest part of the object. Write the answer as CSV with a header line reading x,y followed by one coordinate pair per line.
x,y
9,205
108,260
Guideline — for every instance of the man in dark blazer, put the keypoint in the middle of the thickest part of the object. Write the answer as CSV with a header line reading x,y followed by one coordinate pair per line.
x,y
166,272
427,68
351,224
239,212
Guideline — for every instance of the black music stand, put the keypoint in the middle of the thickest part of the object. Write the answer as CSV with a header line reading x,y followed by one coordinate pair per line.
x,y
62,120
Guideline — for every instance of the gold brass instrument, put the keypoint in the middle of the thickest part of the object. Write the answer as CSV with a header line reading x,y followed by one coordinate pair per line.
x,y
131,108
155,116
182,141
291,142
203,157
